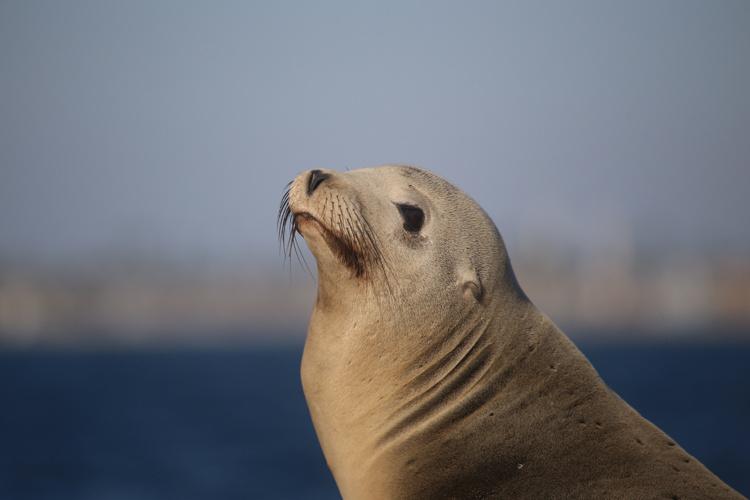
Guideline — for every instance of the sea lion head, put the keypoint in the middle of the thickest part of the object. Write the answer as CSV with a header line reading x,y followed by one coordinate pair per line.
x,y
398,234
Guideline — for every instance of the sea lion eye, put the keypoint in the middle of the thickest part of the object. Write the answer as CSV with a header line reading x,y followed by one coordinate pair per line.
x,y
413,217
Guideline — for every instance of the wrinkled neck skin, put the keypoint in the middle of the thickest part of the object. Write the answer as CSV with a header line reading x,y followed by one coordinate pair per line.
x,y
385,375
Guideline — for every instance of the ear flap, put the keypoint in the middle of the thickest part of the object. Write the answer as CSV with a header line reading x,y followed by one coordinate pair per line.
x,y
471,283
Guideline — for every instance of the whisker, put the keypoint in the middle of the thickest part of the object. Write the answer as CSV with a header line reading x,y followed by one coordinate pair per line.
x,y
284,216
288,230
375,245
301,258
364,247
349,232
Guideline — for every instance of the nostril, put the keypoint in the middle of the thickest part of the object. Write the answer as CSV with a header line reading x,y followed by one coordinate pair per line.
x,y
316,179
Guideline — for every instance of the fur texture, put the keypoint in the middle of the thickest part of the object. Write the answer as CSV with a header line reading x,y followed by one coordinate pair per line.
x,y
429,374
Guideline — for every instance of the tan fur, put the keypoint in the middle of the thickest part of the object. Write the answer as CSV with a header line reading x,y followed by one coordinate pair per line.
x,y
433,376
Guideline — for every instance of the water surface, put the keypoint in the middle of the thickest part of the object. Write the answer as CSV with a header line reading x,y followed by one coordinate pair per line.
x,y
232,423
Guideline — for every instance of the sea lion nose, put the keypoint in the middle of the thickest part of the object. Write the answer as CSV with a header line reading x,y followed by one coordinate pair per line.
x,y
316,179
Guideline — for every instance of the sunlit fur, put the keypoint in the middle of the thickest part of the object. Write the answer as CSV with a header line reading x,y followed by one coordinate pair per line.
x,y
428,373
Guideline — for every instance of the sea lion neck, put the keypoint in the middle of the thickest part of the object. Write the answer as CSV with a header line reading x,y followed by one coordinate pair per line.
x,y
398,393
404,355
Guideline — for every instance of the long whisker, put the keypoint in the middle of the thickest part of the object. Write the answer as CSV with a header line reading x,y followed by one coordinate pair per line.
x,y
287,230
301,258
284,217
378,255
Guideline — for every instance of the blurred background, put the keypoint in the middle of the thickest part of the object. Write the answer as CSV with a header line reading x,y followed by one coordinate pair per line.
x,y
150,330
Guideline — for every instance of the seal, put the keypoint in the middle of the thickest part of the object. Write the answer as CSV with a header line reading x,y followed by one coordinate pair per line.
x,y
428,372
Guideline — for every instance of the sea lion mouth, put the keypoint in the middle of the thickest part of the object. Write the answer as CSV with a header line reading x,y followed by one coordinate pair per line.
x,y
348,235
343,248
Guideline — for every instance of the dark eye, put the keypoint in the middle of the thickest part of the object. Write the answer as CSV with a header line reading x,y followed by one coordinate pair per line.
x,y
413,217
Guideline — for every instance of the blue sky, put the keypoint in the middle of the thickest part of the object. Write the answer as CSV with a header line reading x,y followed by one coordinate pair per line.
x,y
171,127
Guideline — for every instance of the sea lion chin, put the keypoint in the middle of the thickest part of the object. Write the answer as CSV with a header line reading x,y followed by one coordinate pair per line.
x,y
428,372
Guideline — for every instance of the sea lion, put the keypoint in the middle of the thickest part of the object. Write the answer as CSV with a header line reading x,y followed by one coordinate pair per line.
x,y
428,372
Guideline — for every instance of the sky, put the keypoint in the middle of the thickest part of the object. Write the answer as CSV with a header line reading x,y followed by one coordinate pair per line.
x,y
171,127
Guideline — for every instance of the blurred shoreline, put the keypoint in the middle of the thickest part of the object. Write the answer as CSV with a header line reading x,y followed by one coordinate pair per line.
x,y
615,294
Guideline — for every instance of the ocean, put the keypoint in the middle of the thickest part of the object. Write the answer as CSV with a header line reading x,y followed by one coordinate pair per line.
x,y
232,423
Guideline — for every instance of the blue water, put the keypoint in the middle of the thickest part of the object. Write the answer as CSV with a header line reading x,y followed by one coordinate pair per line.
x,y
232,424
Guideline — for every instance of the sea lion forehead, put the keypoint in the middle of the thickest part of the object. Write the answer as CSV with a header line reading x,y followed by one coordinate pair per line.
x,y
394,183
393,171
408,178
411,173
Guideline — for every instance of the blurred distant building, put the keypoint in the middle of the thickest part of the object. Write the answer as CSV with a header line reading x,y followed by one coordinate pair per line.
x,y
136,308
613,289
617,291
